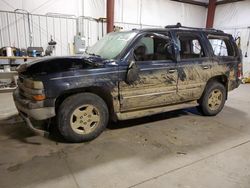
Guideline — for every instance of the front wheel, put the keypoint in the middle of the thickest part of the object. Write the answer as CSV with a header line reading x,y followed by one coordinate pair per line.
x,y
82,117
213,99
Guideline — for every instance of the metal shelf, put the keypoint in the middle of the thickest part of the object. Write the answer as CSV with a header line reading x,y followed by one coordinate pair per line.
x,y
15,60
7,89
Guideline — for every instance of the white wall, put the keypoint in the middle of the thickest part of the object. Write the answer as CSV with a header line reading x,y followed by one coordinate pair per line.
x,y
94,8
234,18
14,31
148,12
159,12
44,6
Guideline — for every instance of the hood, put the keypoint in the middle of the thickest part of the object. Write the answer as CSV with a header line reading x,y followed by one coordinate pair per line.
x,y
48,65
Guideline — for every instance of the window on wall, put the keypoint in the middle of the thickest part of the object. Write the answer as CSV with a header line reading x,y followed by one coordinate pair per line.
x,y
190,46
152,47
221,47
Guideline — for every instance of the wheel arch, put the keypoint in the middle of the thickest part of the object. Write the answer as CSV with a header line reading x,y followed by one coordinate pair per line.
x,y
220,78
99,91
223,79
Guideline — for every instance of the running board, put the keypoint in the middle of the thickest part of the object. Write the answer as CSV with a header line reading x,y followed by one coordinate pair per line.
x,y
152,111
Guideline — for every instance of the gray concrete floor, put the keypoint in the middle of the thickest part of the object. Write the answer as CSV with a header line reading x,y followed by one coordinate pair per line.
x,y
178,149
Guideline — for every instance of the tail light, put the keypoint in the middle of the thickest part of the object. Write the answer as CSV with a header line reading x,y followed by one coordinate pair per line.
x,y
239,73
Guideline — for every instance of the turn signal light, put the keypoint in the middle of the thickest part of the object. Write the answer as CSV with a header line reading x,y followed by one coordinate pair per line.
x,y
39,97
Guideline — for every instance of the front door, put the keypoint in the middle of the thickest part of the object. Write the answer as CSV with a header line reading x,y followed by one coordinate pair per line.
x,y
157,83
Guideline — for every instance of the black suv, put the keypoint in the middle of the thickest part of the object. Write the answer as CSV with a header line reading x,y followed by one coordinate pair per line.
x,y
128,75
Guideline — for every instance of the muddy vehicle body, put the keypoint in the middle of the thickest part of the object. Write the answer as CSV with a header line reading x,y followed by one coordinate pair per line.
x,y
128,75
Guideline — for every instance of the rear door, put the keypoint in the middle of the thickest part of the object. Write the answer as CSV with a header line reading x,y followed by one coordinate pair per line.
x,y
157,84
194,65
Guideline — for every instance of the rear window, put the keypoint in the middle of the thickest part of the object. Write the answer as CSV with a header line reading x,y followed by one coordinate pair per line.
x,y
222,47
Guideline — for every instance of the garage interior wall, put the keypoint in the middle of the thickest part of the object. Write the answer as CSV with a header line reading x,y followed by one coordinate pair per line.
x,y
14,31
159,13
234,18
132,11
44,6
129,14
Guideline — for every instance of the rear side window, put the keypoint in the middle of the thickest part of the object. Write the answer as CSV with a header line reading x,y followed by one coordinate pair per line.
x,y
190,46
222,47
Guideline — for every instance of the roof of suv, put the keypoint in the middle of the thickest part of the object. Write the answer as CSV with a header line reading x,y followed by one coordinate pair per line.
x,y
179,27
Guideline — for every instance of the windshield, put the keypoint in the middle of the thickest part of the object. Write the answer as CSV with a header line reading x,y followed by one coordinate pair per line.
x,y
111,45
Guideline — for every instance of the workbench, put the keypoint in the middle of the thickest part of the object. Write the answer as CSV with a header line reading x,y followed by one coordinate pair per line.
x,y
8,73
15,60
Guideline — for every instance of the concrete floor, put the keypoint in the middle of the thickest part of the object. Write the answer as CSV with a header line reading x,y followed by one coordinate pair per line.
x,y
178,149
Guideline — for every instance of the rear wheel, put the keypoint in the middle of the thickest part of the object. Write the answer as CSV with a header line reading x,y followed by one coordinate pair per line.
x,y
213,99
82,117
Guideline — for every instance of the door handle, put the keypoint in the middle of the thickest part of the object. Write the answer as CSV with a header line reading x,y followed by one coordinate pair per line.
x,y
171,70
205,67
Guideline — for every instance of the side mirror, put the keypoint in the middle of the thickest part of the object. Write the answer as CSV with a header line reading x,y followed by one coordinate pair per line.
x,y
171,50
132,73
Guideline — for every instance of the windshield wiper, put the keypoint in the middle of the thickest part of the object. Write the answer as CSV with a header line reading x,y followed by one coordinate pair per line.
x,y
93,54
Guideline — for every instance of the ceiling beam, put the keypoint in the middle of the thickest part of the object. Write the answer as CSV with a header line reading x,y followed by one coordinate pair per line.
x,y
192,2
227,1
206,4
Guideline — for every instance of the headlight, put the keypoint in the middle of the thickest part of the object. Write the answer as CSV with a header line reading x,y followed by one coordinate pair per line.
x,y
33,84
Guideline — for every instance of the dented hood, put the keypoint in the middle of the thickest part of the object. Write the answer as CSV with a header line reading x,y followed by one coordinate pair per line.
x,y
48,65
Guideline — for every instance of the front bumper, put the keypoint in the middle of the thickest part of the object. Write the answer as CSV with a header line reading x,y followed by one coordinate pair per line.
x,y
31,109
32,127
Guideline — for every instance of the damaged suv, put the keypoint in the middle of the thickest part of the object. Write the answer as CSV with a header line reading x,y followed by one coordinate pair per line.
x,y
130,74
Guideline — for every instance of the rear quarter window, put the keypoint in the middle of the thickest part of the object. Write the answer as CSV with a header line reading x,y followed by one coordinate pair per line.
x,y
222,46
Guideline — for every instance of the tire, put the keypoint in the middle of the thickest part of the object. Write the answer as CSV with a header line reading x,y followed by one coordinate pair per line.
x,y
213,99
82,117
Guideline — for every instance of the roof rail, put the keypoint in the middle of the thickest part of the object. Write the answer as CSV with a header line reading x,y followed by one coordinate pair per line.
x,y
178,25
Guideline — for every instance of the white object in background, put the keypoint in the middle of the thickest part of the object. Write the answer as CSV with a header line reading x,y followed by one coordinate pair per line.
x,y
247,74
8,51
79,44
15,78
6,68
71,49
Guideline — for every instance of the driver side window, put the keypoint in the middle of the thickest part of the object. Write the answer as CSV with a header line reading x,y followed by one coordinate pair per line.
x,y
152,48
